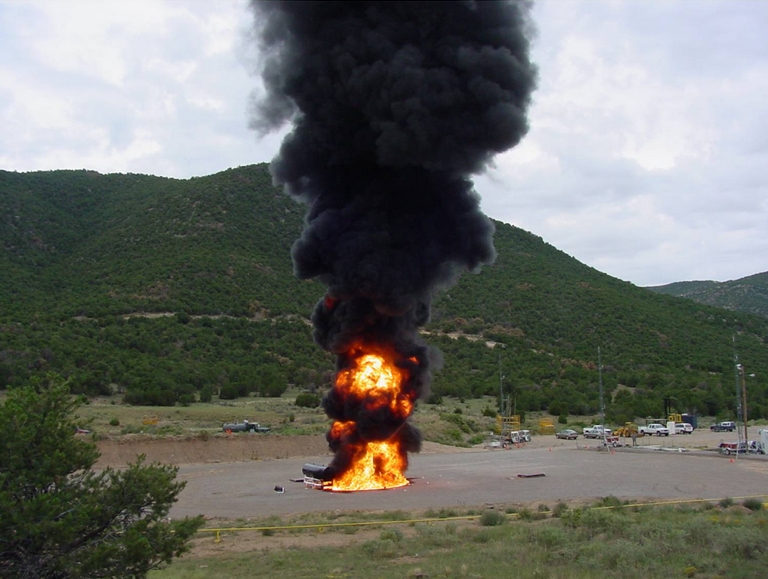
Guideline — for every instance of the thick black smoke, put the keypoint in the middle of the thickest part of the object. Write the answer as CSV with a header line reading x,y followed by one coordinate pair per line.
x,y
394,106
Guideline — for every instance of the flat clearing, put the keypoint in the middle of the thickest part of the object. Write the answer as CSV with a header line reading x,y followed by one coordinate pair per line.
x,y
238,447
476,478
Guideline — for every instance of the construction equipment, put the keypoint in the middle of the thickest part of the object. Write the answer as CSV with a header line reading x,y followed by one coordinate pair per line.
x,y
628,430
546,426
507,424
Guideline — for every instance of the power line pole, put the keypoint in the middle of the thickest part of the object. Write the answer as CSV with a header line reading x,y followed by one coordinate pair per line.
x,y
739,413
744,402
501,388
602,405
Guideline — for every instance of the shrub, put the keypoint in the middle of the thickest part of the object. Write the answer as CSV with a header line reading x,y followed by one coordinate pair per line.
x,y
395,535
489,412
559,509
228,392
186,399
476,439
726,502
525,515
435,399
206,394
753,504
306,400
457,411
562,419
114,422
492,519
274,389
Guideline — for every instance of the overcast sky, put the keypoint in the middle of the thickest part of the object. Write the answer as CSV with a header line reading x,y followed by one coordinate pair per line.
x,y
647,157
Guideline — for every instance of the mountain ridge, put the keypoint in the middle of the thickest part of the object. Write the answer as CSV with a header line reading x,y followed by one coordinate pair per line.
x,y
747,294
81,252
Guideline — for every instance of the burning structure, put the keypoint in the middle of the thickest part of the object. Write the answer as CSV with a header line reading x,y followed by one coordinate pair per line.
x,y
393,105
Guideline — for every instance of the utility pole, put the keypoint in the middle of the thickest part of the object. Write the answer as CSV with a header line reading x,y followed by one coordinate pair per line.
x,y
501,388
744,401
602,405
739,413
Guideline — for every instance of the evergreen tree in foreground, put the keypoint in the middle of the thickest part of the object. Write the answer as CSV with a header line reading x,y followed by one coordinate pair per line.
x,y
59,518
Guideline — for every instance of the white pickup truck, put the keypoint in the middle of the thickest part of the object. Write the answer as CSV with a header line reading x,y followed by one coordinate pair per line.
x,y
654,428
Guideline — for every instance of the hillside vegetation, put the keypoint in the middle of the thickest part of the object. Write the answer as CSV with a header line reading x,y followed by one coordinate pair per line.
x,y
167,289
748,294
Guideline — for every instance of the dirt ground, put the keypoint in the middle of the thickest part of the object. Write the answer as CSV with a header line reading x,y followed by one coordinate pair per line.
x,y
241,447
223,449
237,447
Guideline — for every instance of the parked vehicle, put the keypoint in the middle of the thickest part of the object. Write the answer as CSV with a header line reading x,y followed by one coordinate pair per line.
x,y
683,428
597,431
727,426
741,447
244,426
518,436
655,428
567,434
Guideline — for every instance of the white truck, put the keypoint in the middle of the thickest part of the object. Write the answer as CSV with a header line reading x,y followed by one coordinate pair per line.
x,y
654,428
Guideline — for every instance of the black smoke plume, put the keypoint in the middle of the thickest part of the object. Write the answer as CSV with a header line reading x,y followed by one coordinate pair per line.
x,y
393,105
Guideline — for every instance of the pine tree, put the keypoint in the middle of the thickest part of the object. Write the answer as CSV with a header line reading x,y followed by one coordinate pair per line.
x,y
60,518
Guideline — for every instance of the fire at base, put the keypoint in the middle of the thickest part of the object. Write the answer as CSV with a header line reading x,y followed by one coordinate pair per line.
x,y
374,458
376,466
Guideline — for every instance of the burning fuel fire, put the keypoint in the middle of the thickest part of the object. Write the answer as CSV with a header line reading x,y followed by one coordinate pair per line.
x,y
374,383
376,466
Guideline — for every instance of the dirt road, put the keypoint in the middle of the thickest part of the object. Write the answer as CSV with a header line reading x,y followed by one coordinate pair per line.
x,y
476,478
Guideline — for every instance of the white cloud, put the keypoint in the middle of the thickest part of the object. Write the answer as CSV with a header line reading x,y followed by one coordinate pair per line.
x,y
30,106
646,156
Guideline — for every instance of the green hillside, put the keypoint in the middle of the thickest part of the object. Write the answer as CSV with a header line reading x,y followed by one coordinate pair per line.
x,y
163,288
748,294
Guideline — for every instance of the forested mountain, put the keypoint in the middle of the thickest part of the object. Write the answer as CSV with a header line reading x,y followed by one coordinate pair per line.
x,y
163,288
748,294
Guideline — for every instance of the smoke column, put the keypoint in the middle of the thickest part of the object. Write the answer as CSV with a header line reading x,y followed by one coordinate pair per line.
x,y
393,105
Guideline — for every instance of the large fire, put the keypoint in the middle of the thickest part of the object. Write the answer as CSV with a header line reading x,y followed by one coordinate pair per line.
x,y
376,465
374,382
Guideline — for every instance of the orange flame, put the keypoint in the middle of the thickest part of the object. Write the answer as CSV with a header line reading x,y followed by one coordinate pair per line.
x,y
378,382
377,466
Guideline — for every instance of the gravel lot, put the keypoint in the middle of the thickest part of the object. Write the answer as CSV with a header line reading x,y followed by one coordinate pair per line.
x,y
574,470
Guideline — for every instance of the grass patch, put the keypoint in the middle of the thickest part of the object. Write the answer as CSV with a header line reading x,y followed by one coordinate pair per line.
x,y
581,544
